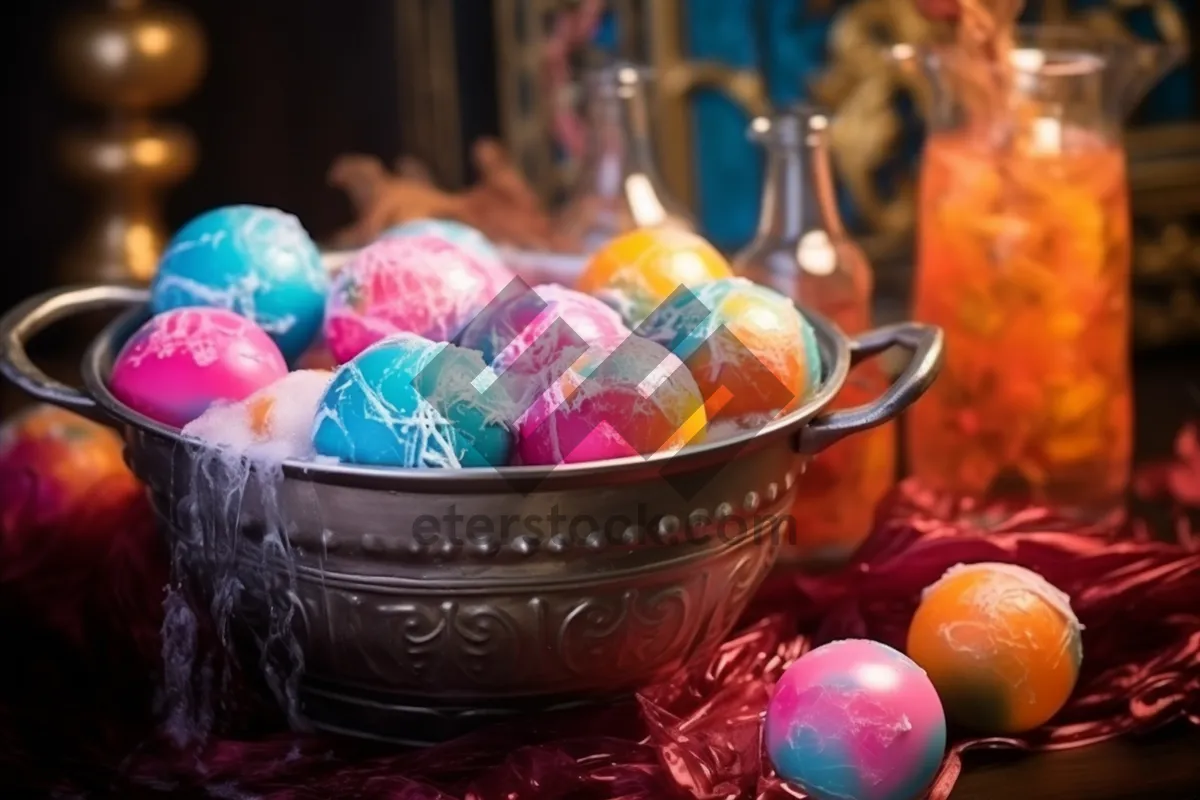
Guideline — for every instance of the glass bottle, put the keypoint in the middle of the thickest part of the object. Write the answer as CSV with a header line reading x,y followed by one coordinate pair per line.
x,y
802,250
618,187
1023,258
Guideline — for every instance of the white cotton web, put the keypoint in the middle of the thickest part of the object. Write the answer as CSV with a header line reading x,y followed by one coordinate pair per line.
x,y
273,424
231,559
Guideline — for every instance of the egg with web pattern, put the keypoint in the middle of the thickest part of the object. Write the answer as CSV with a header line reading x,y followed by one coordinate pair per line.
x,y
1000,643
533,335
418,284
409,402
627,397
749,348
256,261
856,720
181,362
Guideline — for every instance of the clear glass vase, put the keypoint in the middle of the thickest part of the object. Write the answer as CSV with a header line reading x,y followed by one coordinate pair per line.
x,y
802,250
617,187
1023,258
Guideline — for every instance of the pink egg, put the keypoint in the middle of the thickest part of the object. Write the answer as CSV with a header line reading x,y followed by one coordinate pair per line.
x,y
182,361
553,430
856,719
637,398
414,284
538,333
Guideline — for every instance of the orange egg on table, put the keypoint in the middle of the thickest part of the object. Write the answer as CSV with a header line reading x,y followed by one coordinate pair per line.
x,y
639,270
1001,645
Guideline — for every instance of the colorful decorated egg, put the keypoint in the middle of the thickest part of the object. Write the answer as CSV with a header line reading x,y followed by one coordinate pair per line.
x,y
456,233
639,270
1001,645
410,402
638,399
748,347
52,463
538,333
856,720
274,423
413,284
182,361
258,262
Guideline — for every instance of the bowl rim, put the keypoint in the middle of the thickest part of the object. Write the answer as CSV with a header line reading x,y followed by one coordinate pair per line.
x,y
832,343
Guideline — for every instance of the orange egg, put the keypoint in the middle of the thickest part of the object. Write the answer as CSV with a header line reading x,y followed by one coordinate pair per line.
x,y
1001,645
749,349
84,452
637,271
69,459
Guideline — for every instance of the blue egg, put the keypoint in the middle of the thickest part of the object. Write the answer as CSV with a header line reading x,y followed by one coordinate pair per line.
x,y
464,236
258,262
410,402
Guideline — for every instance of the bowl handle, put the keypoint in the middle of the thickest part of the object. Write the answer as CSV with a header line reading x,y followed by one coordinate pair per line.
x,y
27,319
924,342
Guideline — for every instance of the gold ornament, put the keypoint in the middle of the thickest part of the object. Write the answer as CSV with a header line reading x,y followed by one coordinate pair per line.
x,y
128,58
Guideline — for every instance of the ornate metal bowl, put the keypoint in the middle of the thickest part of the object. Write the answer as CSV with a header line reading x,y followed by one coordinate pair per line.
x,y
562,586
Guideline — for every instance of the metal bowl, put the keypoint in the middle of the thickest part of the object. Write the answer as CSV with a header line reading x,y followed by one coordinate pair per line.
x,y
414,634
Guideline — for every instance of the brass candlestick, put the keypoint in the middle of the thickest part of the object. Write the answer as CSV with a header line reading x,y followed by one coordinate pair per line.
x,y
127,57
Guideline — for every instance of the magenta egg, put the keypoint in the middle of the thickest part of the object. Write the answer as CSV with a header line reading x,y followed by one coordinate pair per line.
x,y
538,333
182,361
856,720
558,430
637,398
413,284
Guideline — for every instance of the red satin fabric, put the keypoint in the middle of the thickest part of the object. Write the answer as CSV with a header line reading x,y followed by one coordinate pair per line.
x,y
74,711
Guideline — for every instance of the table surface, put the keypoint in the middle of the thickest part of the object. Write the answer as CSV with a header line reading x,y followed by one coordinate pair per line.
x,y
1160,766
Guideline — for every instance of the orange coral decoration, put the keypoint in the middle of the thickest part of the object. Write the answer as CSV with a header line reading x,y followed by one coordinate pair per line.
x,y
502,204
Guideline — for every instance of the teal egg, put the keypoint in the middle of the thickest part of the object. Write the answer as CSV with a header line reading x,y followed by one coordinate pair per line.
x,y
410,402
258,262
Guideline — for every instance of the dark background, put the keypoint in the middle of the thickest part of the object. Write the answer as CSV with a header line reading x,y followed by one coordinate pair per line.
x,y
291,84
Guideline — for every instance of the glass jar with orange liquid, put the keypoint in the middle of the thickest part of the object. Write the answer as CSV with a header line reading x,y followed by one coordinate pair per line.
x,y
1023,258
802,250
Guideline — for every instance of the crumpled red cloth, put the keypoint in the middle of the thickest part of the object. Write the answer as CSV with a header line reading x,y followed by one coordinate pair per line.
x,y
698,734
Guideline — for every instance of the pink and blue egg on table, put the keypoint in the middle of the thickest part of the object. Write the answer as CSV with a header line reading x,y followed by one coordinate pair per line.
x,y
856,720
